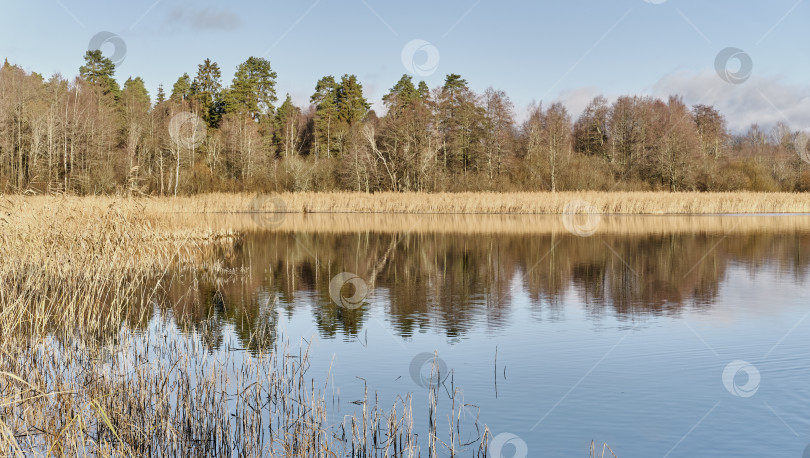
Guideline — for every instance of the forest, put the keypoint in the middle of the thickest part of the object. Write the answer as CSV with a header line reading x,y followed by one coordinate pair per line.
x,y
94,136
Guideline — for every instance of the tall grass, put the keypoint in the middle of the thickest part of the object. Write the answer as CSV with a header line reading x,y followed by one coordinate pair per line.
x,y
80,268
636,203
75,273
75,379
344,223
170,397
654,203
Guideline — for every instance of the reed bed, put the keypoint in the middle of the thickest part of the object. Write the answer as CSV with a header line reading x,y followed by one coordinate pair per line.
x,y
158,396
528,203
79,268
80,280
80,274
647,203
345,223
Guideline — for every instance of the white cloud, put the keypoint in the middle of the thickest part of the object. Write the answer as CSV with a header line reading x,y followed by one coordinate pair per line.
x,y
576,100
762,100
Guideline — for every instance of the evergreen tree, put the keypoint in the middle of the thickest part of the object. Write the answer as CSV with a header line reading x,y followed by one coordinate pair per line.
x,y
285,132
326,116
401,95
100,71
205,90
352,106
454,84
461,122
182,88
135,92
424,91
161,95
253,90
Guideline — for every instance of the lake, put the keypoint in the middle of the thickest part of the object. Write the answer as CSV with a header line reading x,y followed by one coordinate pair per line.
x,y
659,335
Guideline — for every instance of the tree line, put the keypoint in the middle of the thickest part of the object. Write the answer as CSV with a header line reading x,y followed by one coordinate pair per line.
x,y
91,136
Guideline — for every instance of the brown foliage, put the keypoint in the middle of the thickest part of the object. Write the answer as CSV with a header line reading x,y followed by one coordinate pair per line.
x,y
60,136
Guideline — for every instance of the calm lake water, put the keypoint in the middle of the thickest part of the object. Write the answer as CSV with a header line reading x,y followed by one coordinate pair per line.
x,y
655,338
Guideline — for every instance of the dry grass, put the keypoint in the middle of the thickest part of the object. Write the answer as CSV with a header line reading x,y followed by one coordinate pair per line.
x,y
170,397
75,271
338,223
652,203
605,449
633,203
79,267
74,381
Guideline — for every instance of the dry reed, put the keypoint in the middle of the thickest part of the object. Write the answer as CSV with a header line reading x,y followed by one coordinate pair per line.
x,y
75,380
171,397
75,266
654,203
344,223
637,203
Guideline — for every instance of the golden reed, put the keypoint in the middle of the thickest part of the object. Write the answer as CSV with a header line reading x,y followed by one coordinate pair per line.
x,y
636,203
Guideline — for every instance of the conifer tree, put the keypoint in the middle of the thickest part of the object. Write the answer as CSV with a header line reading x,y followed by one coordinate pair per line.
x,y
286,128
326,116
100,71
161,95
352,106
253,90
182,88
205,90
401,95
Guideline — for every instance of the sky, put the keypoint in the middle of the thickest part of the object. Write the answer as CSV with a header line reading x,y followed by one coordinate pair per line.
x,y
535,51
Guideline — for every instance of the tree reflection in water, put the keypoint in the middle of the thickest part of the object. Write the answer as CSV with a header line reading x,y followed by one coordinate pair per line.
x,y
450,283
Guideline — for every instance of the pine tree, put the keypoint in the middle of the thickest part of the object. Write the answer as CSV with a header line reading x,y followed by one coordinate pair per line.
x,y
100,71
401,95
135,92
253,90
285,132
352,106
461,123
326,116
453,84
424,91
182,88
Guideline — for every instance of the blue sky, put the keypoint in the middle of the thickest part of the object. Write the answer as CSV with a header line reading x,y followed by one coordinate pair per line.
x,y
534,50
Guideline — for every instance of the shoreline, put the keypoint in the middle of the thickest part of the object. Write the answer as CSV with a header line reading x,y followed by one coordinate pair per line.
x,y
479,203
490,224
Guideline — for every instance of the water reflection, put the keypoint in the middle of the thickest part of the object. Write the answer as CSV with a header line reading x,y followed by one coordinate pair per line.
x,y
451,283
